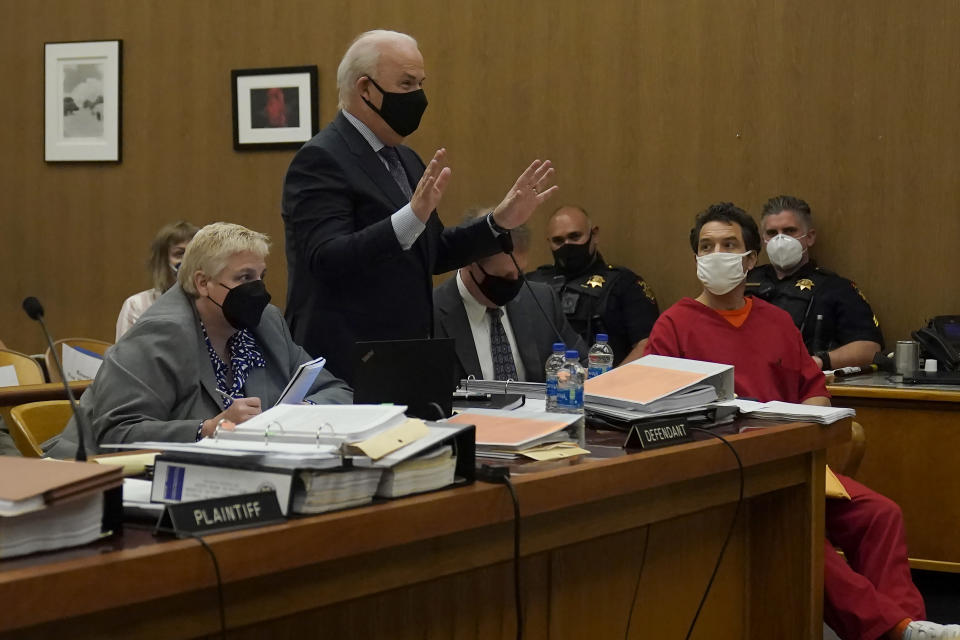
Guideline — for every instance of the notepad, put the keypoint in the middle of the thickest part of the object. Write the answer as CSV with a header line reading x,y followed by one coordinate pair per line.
x,y
301,381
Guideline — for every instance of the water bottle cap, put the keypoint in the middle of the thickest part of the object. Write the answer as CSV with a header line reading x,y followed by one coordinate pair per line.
x,y
573,353
559,346
602,337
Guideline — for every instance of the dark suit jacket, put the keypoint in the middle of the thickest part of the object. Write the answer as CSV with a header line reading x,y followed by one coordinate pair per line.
x,y
157,382
349,278
533,334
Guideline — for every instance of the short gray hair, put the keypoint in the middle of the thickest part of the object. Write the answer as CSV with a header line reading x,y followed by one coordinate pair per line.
x,y
361,59
211,248
799,207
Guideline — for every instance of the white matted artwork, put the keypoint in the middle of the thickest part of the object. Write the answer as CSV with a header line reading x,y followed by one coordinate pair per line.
x,y
274,108
82,101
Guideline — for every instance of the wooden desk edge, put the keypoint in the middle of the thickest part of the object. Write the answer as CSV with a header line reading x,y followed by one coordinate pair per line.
x,y
353,532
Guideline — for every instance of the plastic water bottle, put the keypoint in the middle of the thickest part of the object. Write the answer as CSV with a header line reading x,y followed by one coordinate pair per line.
x,y
570,384
600,357
554,364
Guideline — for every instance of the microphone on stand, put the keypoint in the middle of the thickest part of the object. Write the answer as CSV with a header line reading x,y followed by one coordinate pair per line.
x,y
506,245
35,310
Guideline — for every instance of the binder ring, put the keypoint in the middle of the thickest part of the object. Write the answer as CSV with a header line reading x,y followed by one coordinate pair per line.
x,y
466,386
506,385
266,432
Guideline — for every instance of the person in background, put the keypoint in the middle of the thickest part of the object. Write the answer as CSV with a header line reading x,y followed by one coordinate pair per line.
x,y
597,297
847,333
166,252
870,594
500,332
210,352
363,238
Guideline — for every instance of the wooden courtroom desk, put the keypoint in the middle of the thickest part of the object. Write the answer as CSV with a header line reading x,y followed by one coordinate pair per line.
x,y
438,565
913,440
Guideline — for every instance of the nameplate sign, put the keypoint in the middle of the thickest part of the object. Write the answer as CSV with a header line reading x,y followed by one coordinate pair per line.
x,y
216,515
656,434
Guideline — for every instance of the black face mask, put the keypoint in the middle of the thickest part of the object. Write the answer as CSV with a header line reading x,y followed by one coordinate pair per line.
x,y
573,259
244,304
402,111
498,290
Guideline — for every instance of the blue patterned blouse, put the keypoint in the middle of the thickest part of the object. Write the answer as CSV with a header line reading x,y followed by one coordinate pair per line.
x,y
244,357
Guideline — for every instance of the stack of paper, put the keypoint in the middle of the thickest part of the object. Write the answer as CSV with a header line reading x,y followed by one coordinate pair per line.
x,y
495,387
51,504
789,411
507,434
657,385
430,471
335,490
316,424
67,524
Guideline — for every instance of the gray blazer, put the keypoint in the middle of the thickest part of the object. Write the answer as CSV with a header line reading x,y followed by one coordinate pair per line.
x,y
533,334
157,382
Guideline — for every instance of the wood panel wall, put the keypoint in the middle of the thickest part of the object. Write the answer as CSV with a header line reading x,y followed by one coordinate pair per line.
x,y
651,109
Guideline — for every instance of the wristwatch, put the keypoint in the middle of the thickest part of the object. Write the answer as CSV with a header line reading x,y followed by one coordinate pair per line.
x,y
497,229
825,359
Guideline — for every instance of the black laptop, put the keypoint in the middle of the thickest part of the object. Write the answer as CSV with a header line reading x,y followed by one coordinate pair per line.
x,y
417,373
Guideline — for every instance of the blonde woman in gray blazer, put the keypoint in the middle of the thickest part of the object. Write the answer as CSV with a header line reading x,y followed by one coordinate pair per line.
x,y
211,351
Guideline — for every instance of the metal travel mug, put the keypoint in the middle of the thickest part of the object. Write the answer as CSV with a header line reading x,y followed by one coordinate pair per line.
x,y
907,357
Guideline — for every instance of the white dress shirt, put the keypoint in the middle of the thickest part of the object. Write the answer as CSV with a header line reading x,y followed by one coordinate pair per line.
x,y
480,326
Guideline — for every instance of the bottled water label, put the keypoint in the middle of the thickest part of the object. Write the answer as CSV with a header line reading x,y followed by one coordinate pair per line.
x,y
596,370
570,397
552,387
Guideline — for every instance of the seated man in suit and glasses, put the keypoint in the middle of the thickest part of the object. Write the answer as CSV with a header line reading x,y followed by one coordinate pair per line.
x,y
499,331
209,352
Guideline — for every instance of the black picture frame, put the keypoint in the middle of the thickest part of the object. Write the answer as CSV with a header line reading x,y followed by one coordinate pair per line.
x,y
269,105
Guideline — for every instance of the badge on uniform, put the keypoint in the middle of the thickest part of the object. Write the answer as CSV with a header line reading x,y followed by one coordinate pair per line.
x,y
647,290
595,281
804,284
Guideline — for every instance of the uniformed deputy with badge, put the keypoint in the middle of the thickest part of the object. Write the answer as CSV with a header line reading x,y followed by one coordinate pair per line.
x,y
597,297
837,323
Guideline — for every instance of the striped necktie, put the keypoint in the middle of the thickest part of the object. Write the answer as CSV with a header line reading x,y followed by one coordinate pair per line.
x,y
396,170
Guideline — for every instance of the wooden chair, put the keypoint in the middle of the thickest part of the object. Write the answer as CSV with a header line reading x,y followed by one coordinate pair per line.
x,y
97,346
28,370
845,459
34,423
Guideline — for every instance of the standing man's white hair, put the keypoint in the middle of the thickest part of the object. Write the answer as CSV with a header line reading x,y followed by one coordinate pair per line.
x,y
361,59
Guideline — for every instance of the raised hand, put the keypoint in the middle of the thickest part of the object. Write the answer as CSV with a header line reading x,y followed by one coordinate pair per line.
x,y
429,190
527,193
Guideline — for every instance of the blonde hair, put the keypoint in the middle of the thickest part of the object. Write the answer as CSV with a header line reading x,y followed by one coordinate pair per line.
x,y
212,247
361,59
161,274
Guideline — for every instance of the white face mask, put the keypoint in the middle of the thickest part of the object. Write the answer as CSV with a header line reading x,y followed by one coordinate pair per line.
x,y
785,252
721,272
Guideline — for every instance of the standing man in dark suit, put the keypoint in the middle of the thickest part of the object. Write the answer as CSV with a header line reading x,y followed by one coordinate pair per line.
x,y
363,238
500,333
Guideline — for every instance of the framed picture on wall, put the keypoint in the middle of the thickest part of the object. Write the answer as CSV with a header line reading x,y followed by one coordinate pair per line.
x,y
82,101
274,108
